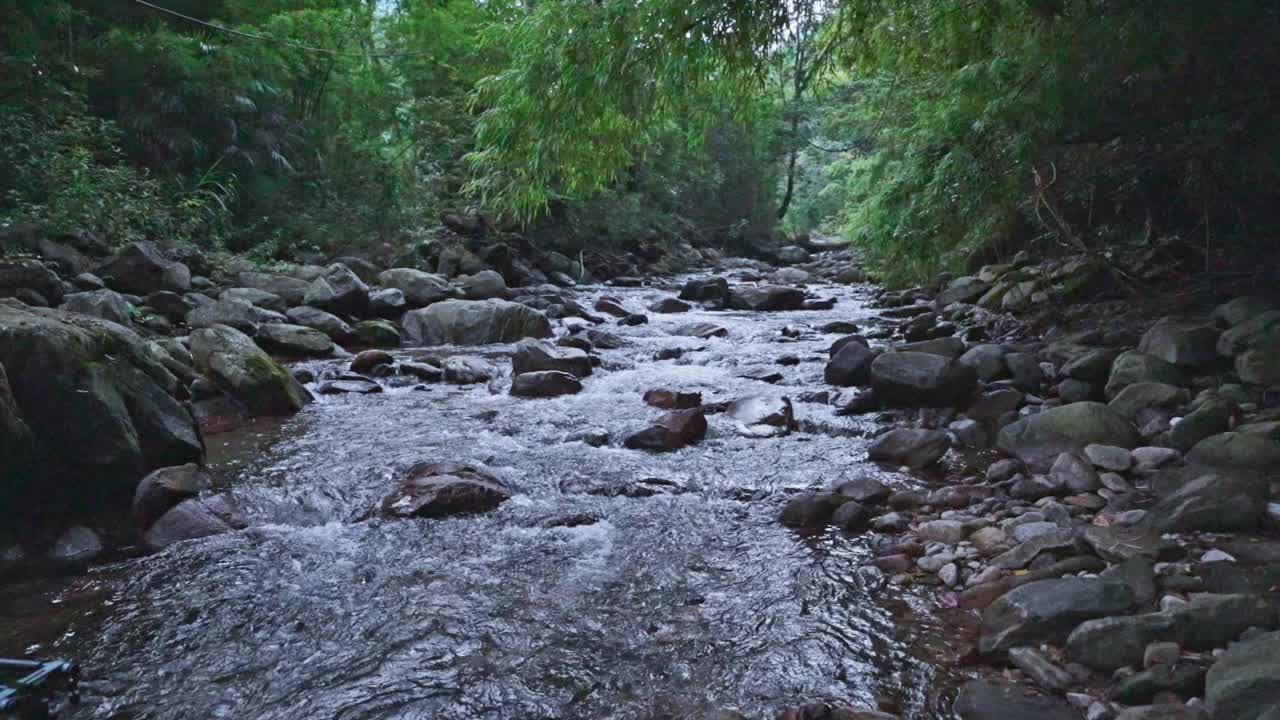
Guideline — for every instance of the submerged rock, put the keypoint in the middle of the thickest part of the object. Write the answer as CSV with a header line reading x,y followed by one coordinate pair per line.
x,y
544,384
911,447
766,298
538,355
672,431
443,489
161,490
194,519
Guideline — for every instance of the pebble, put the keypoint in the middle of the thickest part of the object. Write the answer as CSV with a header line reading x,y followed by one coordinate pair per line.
x,y
890,523
1027,531
934,563
945,531
949,574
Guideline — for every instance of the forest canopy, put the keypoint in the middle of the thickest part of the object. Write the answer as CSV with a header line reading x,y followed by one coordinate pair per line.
x,y
932,134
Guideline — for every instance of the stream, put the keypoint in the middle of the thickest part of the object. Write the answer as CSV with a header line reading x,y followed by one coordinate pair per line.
x,y
678,605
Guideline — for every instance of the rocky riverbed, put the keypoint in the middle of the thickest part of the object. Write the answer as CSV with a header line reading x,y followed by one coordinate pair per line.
x,y
746,493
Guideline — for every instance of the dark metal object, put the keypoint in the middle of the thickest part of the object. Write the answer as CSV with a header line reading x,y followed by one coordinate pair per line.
x,y
34,693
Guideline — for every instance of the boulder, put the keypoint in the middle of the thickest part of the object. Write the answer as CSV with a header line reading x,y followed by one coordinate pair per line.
x,y
766,298
443,489
375,333
534,355
1188,343
793,255
291,290
420,288
966,289
1244,683
161,490
672,400
986,700
986,360
1048,610
762,416
234,363
670,305
1211,500
1234,312
1238,338
911,447
1212,417
700,330
1133,400
1203,624
467,371
338,290
850,365
386,302
712,289
1134,367
1260,363
294,340
672,431
545,384
20,276
811,510
230,312
141,268
1040,438
76,546
103,304
1237,450
193,519
474,322
317,319
484,285
367,361
259,298
1074,473
948,347
921,379
78,382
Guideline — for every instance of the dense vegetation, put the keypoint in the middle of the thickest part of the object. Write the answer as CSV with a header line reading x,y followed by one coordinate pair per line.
x,y
932,133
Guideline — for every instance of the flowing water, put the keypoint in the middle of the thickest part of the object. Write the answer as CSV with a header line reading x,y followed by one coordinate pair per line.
x,y
675,605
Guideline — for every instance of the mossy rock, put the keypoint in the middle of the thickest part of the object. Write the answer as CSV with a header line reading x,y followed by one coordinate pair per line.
x,y
376,333
239,368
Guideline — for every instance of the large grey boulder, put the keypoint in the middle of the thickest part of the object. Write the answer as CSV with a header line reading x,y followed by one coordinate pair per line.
x,y
259,298
1237,450
851,365
484,285
1238,338
1134,399
1136,367
104,304
295,340
1260,363
534,355
161,490
1203,624
921,379
1233,312
420,288
338,290
766,298
231,312
474,322
986,700
545,384
99,408
1208,500
290,289
909,446
1039,439
19,277
141,268
1048,610
317,319
1185,342
239,368
1245,682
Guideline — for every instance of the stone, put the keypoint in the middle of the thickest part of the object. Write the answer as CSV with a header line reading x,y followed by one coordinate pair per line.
x,y
672,400
766,298
533,355
193,519
1108,457
1260,365
435,490
1211,500
141,267
1024,553
969,433
338,290
986,360
852,516
670,305
254,296
1203,624
911,447
1040,438
700,330
812,510
316,319
294,340
713,289
1134,399
1236,450
76,382
1029,531
1241,336
990,406
1091,367
793,255
851,365
1244,684
1238,310
949,532
1041,669
921,379
103,304
986,700
672,431
545,384
233,313
948,347
991,541
865,490
966,289
234,363
1147,460
1159,712
1119,544
386,302
1185,342
19,276
367,361
1025,371
1212,417
466,371
762,416
474,322
1161,653
612,307
420,288
1074,473
1184,680
1139,574
1134,367
349,386
1048,610
291,290
170,304
484,285
162,489
76,546
375,333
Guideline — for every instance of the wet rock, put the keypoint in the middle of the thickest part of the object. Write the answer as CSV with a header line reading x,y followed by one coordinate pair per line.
x,y
1025,371
443,489
171,305
338,290
612,307
986,360
766,298
20,278
965,289
420,288
474,322
701,330
949,532
713,289
1040,669
985,700
670,305
911,447
1134,367
1039,438
103,304
761,374
839,327
1240,337
256,297
595,437
231,313
161,490
1120,544
349,386
235,364
851,365
865,490
538,355
423,371
1163,712
948,347
467,371
1025,553
1138,398
194,519
1234,312
1048,610
1185,342
365,362
1183,680
1108,457
1092,367
672,431
1074,473
140,268
76,546
294,340
1260,364
673,400
634,319
291,290
761,416
386,302
375,333
317,319
484,285
812,510
545,384
989,407
1203,624
1236,450
1212,417
1244,683
920,379
1212,500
